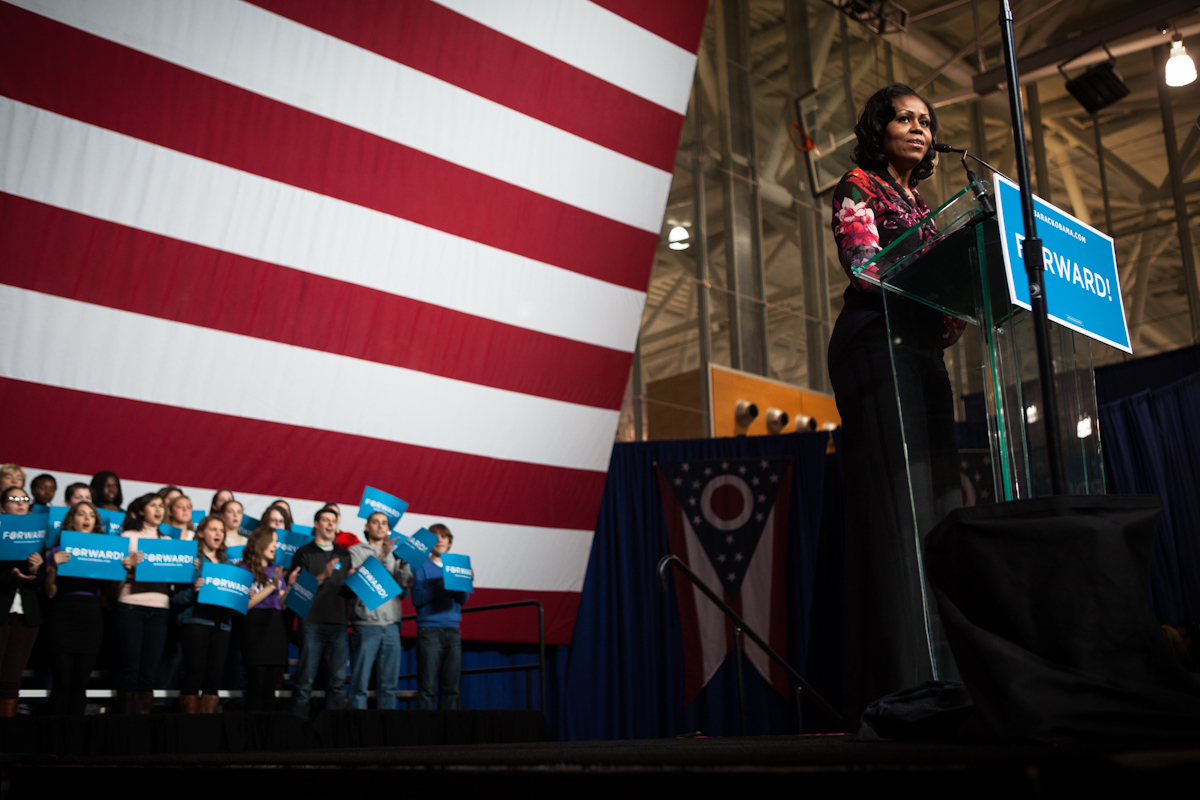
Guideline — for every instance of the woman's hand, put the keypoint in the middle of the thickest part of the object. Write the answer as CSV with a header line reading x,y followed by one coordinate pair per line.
x,y
35,560
19,575
199,584
132,560
61,557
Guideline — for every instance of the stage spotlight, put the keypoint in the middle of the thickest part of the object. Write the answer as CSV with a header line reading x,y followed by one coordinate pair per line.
x,y
829,426
1181,70
1101,86
677,239
745,413
802,423
776,420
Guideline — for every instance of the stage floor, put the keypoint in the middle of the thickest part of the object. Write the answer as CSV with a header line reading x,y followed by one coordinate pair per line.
x,y
785,763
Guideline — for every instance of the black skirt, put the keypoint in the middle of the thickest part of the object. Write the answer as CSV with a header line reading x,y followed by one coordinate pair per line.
x,y
75,625
264,638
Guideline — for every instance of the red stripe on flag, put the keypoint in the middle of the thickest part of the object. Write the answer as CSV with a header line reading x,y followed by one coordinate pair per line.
x,y
680,22
415,34
60,69
58,252
512,624
84,432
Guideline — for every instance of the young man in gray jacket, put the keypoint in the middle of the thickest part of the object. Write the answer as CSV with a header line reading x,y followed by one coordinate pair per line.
x,y
376,637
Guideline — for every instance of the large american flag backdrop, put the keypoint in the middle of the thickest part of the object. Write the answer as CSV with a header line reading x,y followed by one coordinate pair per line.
x,y
294,247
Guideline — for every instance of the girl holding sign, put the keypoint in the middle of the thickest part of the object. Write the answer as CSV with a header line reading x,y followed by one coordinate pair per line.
x,y
264,645
75,625
204,630
22,615
142,610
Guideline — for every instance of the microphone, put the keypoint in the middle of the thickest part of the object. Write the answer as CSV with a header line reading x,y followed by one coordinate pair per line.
x,y
981,195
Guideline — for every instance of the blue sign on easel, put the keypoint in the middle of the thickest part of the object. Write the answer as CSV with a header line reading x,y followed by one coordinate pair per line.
x,y
1083,291
22,535
416,548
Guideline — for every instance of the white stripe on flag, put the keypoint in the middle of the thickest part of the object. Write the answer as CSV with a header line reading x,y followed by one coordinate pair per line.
x,y
710,620
521,557
121,354
249,47
756,596
595,40
79,167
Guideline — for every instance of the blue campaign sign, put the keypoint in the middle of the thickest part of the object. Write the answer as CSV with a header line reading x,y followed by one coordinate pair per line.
x,y
372,583
234,554
249,523
38,508
112,521
1083,292
170,531
94,555
375,501
21,535
225,586
289,543
57,515
457,575
198,515
416,548
300,596
305,529
166,561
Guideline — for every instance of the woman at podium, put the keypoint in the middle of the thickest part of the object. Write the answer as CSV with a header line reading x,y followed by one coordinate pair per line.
x,y
890,619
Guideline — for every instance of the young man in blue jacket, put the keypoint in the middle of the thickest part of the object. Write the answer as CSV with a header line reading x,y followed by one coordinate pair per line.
x,y
439,646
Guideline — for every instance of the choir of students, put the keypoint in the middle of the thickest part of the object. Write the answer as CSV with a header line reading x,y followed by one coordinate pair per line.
x,y
141,614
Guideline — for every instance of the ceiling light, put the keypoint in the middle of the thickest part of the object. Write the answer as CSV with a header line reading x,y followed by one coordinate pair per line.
x,y
678,238
1181,70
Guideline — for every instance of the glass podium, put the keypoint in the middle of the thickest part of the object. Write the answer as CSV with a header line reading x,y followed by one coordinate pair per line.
x,y
960,273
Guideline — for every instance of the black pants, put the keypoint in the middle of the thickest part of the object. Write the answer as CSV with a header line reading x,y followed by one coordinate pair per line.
x,y
892,637
204,649
72,671
260,687
142,632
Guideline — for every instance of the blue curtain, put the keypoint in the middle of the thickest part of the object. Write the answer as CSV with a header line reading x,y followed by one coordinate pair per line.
x,y
622,675
1152,446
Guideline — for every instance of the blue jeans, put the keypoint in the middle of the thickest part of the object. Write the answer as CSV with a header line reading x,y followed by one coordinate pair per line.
x,y
378,646
321,641
439,661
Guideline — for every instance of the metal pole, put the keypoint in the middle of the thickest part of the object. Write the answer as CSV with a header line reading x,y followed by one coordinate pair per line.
x,y
1038,134
1103,174
798,694
741,678
1033,261
700,243
542,652
637,393
1176,172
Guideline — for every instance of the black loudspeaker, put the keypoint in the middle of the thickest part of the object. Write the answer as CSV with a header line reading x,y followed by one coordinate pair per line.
x,y
1098,88
1045,605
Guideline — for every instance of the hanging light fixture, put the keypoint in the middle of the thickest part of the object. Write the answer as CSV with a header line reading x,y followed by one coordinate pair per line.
x,y
1181,70
677,239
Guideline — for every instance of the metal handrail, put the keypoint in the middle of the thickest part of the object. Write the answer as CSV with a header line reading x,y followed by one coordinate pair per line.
x,y
740,627
540,666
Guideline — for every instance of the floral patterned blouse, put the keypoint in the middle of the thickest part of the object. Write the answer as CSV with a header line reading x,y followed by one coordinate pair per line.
x,y
869,213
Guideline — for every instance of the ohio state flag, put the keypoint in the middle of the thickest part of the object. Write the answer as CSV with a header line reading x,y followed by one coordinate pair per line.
x,y
727,520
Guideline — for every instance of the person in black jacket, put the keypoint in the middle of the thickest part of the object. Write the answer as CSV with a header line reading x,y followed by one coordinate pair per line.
x,y
22,616
324,633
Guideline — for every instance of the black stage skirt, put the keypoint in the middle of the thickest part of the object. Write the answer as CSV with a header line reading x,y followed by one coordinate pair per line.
x,y
264,638
75,624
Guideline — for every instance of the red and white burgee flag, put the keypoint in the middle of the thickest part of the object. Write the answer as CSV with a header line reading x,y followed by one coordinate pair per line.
x,y
295,247
727,520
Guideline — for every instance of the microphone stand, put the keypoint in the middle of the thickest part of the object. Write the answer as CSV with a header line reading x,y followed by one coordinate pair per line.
x,y
1033,262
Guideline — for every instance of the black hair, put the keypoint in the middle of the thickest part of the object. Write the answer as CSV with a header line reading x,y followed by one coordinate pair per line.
x,y
324,510
4,494
879,111
45,476
136,514
98,481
